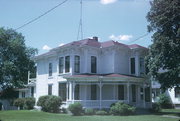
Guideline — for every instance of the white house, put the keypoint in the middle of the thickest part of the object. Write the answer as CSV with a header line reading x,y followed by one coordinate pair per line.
x,y
94,73
173,93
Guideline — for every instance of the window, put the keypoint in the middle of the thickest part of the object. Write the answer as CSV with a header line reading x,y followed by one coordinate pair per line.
x,y
132,65
121,92
76,96
50,89
147,94
77,64
61,64
32,91
50,69
93,64
177,92
133,93
67,64
141,64
142,93
93,92
62,91
23,94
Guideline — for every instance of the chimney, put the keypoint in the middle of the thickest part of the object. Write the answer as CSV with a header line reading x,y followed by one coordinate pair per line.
x,y
95,38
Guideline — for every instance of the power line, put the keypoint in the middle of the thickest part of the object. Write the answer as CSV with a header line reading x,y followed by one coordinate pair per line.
x,y
41,15
80,28
150,32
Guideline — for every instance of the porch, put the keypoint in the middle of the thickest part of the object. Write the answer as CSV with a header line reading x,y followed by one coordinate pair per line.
x,y
101,92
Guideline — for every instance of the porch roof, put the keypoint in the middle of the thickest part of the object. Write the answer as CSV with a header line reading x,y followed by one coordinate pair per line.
x,y
105,76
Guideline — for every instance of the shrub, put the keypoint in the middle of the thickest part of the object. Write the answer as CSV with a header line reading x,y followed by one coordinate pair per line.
x,y
64,110
122,109
101,112
89,111
50,103
29,103
76,109
113,104
155,108
164,101
24,103
19,102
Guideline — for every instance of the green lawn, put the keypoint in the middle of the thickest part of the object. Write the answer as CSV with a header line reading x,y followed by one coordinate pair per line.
x,y
41,116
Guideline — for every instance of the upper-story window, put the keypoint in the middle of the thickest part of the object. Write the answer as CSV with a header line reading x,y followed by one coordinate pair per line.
x,y
50,69
61,64
141,64
93,64
132,65
77,64
67,64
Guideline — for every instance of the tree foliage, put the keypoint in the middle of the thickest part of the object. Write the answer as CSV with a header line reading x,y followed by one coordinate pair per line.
x,y
15,59
164,53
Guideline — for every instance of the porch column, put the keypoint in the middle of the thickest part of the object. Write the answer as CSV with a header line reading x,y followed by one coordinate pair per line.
x,y
70,90
128,93
114,90
100,96
73,89
67,91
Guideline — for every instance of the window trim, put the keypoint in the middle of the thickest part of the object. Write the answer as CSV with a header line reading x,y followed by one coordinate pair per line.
x,y
50,91
50,69
61,65
121,95
94,64
177,90
67,63
141,69
134,66
77,64
64,91
94,92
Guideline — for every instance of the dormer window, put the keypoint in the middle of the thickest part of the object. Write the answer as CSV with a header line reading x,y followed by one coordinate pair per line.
x,y
132,65
93,64
67,64
77,64
50,69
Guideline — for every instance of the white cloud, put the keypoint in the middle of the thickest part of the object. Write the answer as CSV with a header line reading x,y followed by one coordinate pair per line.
x,y
122,38
45,47
107,1
61,44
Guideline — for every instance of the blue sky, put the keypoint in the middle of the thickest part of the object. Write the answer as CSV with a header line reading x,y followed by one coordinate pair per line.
x,y
120,20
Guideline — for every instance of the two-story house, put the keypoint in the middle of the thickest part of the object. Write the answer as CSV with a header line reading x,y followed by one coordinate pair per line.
x,y
94,73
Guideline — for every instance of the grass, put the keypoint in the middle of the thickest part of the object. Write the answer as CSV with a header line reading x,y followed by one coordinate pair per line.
x,y
25,115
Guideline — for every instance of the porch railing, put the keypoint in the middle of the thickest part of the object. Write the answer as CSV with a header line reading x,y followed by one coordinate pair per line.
x,y
95,103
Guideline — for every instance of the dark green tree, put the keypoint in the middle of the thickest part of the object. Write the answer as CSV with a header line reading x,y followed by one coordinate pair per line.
x,y
15,59
164,53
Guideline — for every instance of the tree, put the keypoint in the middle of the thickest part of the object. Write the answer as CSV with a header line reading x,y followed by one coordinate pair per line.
x,y
15,59
164,53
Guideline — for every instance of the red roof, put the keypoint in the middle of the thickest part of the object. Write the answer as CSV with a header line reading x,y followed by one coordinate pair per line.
x,y
94,43
133,46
